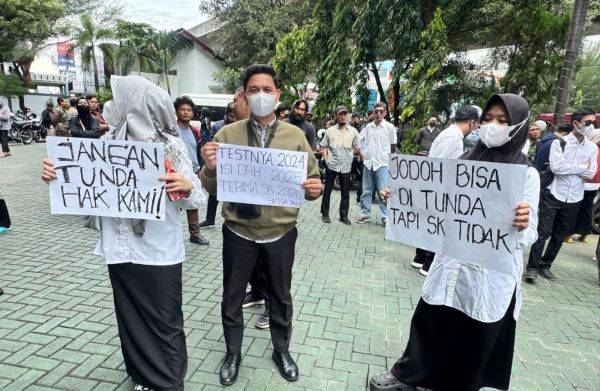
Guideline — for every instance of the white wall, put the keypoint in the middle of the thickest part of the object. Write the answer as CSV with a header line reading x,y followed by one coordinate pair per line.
x,y
194,73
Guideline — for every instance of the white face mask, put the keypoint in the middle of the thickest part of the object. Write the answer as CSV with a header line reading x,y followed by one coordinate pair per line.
x,y
587,130
495,135
262,104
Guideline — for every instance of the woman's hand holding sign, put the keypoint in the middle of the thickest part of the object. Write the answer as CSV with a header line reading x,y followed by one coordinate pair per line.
x,y
176,182
48,171
521,220
209,155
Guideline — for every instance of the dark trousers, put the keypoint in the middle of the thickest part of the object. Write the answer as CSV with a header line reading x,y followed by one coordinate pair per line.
x,y
240,257
148,303
257,281
4,216
555,218
358,167
4,140
211,208
424,257
583,223
330,176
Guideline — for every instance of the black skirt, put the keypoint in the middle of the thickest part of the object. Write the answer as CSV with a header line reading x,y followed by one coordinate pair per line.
x,y
448,350
150,320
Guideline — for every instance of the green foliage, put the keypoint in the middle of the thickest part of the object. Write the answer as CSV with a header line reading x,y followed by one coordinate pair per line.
x,y
250,29
586,86
409,145
229,78
133,46
535,56
89,37
12,85
426,71
105,95
28,23
163,47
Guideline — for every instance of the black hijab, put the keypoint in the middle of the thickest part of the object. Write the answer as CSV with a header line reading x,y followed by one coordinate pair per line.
x,y
517,109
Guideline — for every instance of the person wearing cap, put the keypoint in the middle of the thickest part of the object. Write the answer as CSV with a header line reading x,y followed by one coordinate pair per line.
x,y
449,144
339,144
533,137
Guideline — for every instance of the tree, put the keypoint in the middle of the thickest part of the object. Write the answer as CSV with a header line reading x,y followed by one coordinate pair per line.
x,y
89,37
229,78
134,46
250,29
587,79
163,47
565,82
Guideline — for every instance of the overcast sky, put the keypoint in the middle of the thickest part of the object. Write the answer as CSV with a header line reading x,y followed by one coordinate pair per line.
x,y
163,15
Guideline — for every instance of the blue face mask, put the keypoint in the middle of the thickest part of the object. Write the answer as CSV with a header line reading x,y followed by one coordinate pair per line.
x,y
472,138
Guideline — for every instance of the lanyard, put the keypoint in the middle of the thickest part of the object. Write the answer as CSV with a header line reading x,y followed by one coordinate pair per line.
x,y
250,131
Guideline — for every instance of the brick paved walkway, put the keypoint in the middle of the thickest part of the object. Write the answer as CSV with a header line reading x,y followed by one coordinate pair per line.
x,y
353,292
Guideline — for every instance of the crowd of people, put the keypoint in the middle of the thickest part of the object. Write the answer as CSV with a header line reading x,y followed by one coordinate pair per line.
x,y
478,307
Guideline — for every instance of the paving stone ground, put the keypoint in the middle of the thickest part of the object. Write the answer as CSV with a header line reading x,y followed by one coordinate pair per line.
x,y
354,294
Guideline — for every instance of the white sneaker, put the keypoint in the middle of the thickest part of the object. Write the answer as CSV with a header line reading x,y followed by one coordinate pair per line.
x,y
416,265
139,387
423,272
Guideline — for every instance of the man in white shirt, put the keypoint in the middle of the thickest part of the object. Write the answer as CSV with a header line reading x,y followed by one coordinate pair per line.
x,y
560,201
377,140
449,144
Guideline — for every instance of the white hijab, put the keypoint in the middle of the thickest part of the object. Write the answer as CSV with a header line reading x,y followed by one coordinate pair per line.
x,y
139,110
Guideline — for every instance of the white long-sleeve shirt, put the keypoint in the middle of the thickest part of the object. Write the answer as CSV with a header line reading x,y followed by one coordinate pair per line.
x,y
449,144
484,294
571,168
162,242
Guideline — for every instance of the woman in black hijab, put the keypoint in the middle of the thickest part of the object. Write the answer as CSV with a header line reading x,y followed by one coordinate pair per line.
x,y
462,332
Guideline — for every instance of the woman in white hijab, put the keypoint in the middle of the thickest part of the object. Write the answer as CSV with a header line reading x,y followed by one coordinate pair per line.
x,y
145,257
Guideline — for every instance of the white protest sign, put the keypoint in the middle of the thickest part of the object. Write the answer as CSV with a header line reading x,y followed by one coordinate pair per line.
x,y
107,178
260,176
460,208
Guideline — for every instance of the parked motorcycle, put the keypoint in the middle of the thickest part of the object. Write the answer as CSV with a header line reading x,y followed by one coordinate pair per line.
x,y
22,130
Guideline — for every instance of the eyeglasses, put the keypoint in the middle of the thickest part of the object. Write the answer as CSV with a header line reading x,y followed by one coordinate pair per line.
x,y
379,111
590,122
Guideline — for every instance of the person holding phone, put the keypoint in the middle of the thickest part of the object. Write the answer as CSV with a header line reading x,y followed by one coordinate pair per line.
x,y
145,257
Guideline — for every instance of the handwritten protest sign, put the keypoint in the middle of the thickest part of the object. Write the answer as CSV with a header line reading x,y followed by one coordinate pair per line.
x,y
107,178
260,176
459,208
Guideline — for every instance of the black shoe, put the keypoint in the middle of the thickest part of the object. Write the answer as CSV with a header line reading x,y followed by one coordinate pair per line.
x,y
530,276
207,224
198,239
345,220
263,322
286,365
252,299
326,219
1,291
230,369
547,274
387,381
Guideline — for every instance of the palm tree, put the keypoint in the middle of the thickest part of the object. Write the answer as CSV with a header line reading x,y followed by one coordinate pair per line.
x,y
134,46
89,37
163,49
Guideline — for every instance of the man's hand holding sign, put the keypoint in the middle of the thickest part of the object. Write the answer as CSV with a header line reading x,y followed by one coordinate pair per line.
x,y
272,175
463,209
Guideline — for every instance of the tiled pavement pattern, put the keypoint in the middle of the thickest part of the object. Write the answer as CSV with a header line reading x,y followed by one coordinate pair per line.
x,y
354,294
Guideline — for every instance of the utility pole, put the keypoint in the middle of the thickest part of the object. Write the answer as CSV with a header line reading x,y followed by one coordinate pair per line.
x,y
565,83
